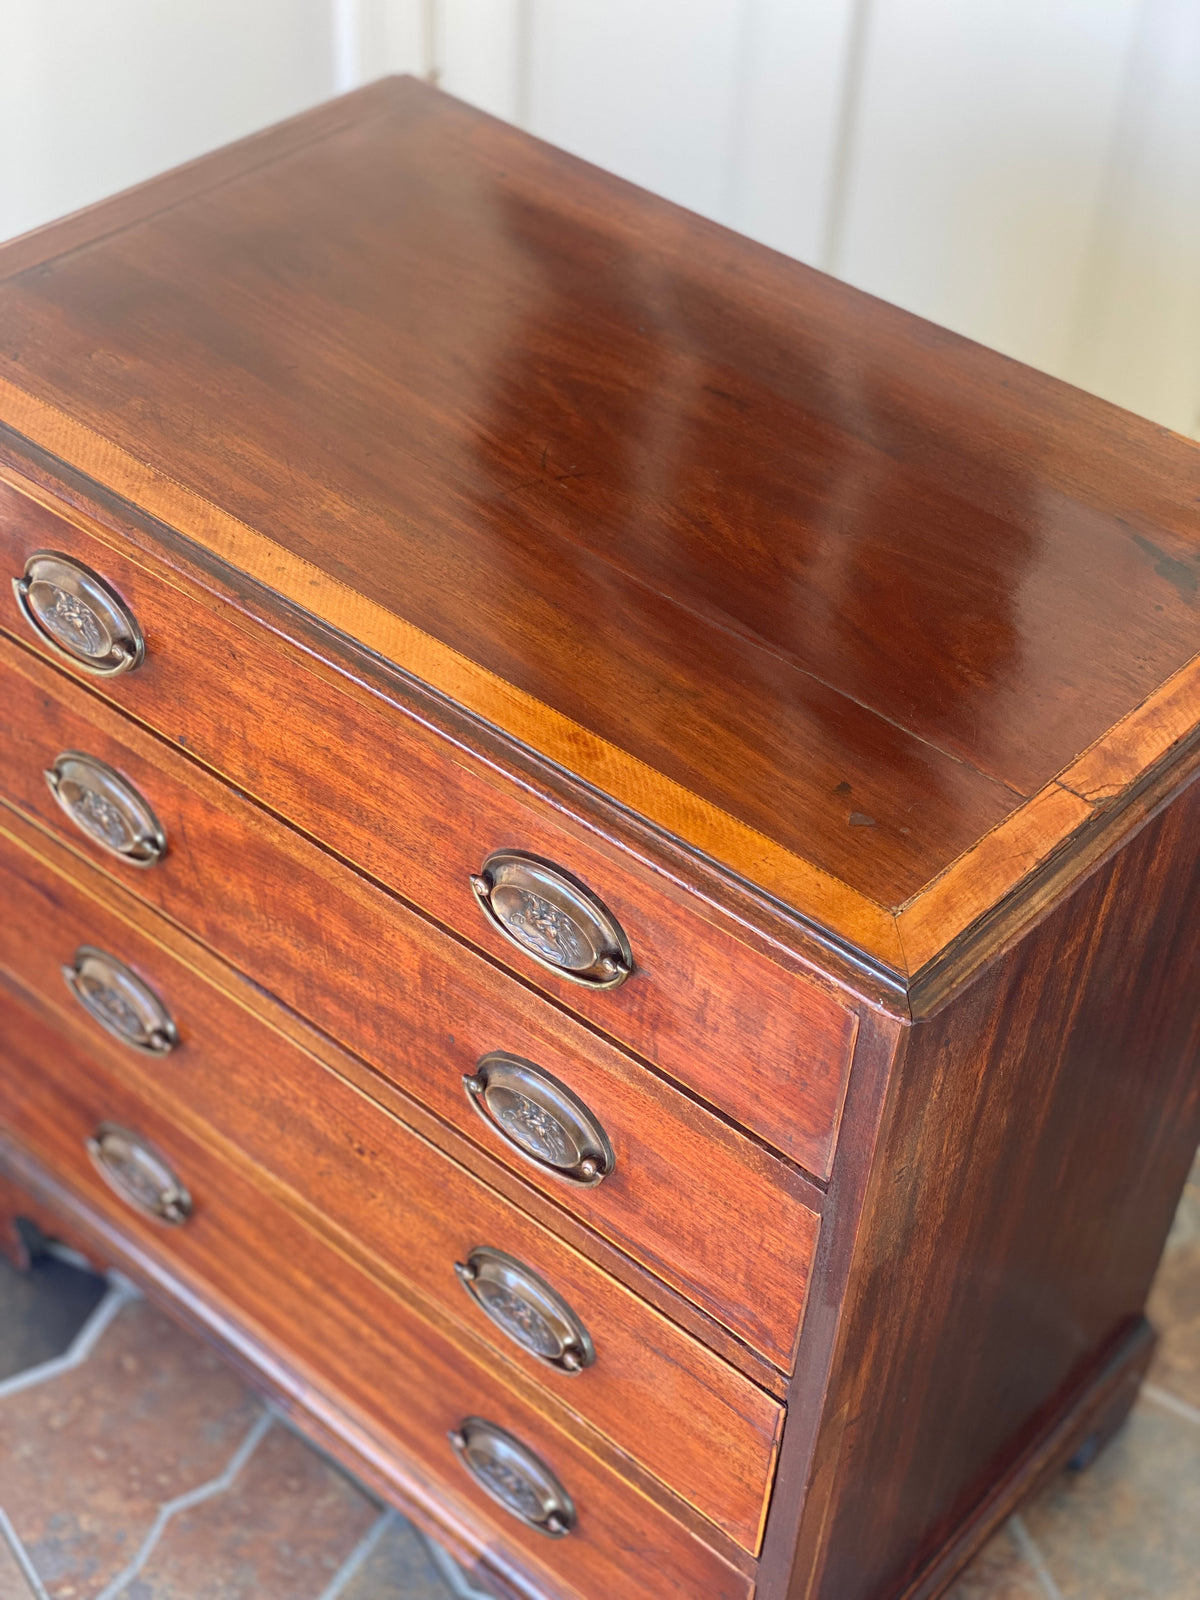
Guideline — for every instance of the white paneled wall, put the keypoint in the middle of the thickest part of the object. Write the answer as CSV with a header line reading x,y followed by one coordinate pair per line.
x,y
666,112
1136,336
977,159
1026,171
98,94
796,104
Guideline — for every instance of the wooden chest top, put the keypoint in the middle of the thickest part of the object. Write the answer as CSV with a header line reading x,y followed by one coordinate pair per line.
x,y
876,619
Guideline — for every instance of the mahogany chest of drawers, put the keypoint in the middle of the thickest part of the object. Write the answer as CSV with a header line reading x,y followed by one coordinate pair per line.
x,y
598,843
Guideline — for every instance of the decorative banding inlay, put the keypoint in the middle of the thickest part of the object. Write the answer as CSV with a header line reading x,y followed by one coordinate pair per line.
x,y
904,939
705,826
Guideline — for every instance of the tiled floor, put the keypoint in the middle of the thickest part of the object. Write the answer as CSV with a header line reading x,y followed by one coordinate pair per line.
x,y
135,1466
1129,1527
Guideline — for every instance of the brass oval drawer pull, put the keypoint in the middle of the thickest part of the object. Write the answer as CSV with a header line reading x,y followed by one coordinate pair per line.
x,y
78,615
105,806
139,1174
119,1001
540,1117
510,1472
553,918
526,1308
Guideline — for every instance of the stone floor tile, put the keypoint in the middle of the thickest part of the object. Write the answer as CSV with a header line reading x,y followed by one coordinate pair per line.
x,y
86,1458
1187,1217
282,1531
1129,1527
1174,1307
398,1568
42,1310
999,1572
13,1583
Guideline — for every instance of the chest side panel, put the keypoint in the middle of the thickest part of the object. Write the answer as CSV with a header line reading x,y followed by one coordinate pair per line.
x,y
1039,1132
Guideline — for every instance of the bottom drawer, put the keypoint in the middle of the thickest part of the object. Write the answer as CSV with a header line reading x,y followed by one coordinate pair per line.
x,y
400,1380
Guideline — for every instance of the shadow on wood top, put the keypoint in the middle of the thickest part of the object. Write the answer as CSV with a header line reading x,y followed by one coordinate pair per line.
x,y
830,593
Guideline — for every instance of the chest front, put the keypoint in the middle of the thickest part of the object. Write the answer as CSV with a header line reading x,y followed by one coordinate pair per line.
x,y
598,847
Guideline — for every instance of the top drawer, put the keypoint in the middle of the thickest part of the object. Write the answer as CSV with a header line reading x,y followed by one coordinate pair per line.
x,y
767,1046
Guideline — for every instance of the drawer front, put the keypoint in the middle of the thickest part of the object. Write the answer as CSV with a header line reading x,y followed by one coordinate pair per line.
x,y
392,1197
745,1229
704,1208
767,1046
364,1349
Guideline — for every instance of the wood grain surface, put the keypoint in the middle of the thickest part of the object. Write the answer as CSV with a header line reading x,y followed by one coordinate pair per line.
x,y
768,1047
404,1383
470,499
1036,1139
829,591
393,1204
700,1205
391,1199
542,1205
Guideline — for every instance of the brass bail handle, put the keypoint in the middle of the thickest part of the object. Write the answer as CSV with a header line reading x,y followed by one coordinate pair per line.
x,y
133,1169
115,997
514,1476
553,918
106,808
541,1118
526,1309
78,616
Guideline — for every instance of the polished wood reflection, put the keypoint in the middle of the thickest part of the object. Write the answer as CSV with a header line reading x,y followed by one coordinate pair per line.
x,y
858,583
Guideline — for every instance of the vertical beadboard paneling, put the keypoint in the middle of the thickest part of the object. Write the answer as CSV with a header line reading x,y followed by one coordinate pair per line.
x,y
346,44
977,160
393,36
95,97
790,96
481,52
1137,328
646,88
